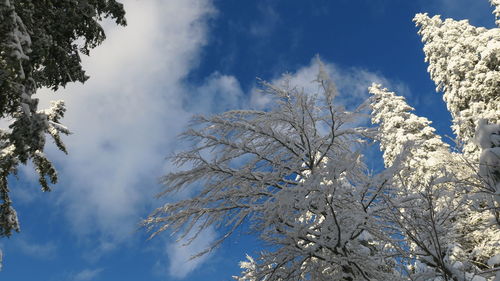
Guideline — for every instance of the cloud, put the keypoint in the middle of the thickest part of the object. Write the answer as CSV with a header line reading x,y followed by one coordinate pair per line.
x,y
86,274
266,22
40,251
125,119
351,83
218,93
180,255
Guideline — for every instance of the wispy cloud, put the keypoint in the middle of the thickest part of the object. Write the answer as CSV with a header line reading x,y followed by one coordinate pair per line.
x,y
351,83
267,20
86,274
46,250
218,93
180,255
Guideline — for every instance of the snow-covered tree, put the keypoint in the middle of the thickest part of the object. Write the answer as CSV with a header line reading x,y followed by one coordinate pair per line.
x,y
445,237
296,174
487,137
40,46
464,62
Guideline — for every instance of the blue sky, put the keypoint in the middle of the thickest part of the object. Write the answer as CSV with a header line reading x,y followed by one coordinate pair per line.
x,y
177,58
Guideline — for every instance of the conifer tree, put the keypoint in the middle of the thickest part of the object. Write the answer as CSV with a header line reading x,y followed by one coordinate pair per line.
x,y
464,62
446,236
40,46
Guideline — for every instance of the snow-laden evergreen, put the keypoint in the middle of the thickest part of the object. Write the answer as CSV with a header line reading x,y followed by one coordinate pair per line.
x,y
487,137
463,62
447,237
496,11
40,46
398,127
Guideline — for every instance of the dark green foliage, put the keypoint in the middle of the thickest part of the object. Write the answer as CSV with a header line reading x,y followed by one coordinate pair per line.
x,y
40,46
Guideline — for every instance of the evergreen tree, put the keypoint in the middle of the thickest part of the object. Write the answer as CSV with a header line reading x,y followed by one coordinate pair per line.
x,y
488,139
464,63
446,236
40,46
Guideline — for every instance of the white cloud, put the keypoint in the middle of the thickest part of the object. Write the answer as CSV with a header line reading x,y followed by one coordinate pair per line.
x,y
352,83
36,250
180,255
87,274
218,93
126,117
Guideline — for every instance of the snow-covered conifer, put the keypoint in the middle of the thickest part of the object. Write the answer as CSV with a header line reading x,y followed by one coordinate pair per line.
x,y
447,238
464,63
487,137
399,127
496,11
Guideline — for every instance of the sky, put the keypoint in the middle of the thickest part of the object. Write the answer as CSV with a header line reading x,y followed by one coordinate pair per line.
x,y
176,59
